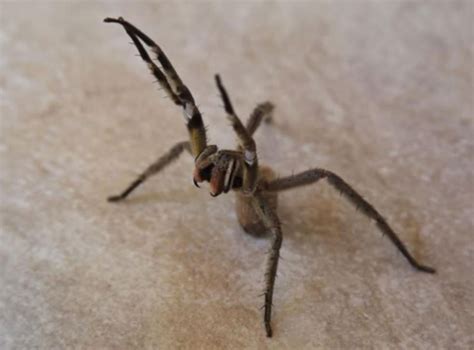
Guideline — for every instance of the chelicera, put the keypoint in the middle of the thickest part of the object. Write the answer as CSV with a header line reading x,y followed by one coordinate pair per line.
x,y
255,186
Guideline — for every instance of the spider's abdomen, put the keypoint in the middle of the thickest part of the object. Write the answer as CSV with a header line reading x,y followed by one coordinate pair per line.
x,y
246,214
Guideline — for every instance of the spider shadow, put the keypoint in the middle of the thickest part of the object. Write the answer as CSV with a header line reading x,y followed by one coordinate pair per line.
x,y
335,222
307,216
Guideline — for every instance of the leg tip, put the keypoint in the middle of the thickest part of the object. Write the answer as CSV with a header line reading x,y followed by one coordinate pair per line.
x,y
420,267
114,199
426,269
113,20
269,330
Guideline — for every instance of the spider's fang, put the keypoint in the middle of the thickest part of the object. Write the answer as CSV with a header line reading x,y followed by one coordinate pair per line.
x,y
195,183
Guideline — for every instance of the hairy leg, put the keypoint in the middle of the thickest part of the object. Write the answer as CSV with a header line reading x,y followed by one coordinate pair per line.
x,y
154,168
250,164
271,221
263,112
311,176
170,82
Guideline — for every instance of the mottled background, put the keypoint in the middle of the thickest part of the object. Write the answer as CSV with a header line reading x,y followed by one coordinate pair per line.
x,y
379,92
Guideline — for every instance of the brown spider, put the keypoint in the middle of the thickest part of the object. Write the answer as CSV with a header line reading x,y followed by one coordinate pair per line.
x,y
255,186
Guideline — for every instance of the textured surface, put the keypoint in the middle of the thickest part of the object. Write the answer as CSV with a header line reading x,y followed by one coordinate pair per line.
x,y
381,93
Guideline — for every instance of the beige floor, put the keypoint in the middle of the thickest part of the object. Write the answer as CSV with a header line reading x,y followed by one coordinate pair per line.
x,y
379,92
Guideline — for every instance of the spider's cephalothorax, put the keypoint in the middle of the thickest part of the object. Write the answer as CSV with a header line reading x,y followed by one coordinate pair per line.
x,y
255,186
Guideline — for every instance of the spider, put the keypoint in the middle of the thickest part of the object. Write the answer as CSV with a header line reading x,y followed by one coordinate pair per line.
x,y
255,186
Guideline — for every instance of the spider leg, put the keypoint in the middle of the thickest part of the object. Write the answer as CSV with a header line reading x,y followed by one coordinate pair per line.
x,y
154,168
170,82
263,112
313,175
250,169
272,222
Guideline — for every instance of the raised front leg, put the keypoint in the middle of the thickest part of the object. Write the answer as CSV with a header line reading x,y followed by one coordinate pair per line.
x,y
153,169
170,82
250,164
263,112
311,176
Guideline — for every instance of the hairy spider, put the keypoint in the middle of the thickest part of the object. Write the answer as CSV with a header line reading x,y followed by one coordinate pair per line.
x,y
256,186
